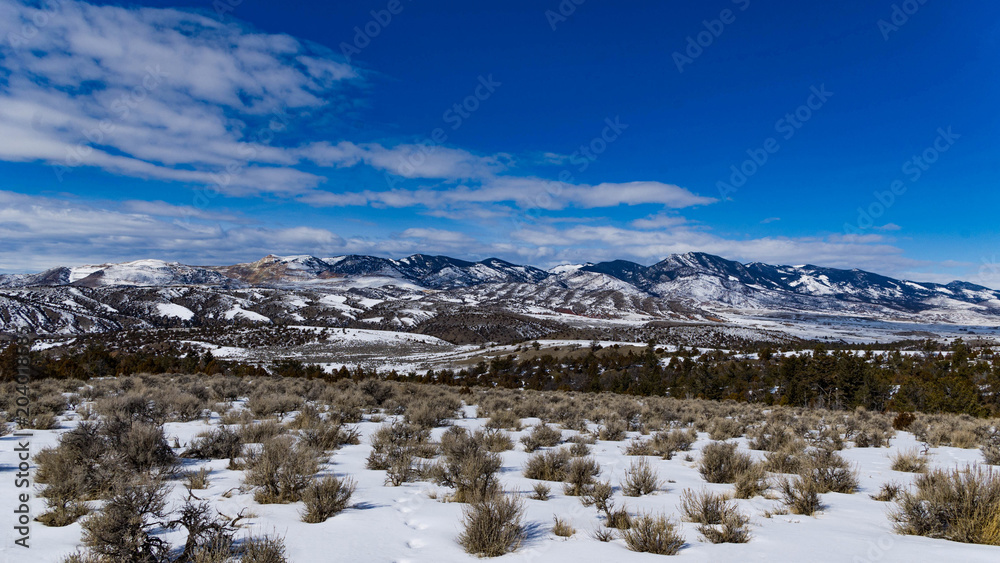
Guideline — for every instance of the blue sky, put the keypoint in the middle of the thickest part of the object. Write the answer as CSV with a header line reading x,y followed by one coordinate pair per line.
x,y
855,134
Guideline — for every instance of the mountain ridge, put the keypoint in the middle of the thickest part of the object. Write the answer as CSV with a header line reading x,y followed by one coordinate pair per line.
x,y
689,286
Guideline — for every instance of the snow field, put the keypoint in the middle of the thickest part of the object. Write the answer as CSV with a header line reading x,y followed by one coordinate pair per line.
x,y
404,524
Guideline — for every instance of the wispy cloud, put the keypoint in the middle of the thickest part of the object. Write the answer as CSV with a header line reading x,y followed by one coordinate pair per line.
x,y
155,93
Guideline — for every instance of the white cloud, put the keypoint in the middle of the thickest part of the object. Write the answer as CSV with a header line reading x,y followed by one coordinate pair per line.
x,y
157,93
41,232
408,160
522,192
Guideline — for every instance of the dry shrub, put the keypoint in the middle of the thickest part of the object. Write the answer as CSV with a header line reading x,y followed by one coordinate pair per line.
x,y
504,419
549,465
495,440
991,447
541,491
665,444
263,549
638,446
427,413
328,436
703,507
888,492
395,442
752,482
62,511
958,505
579,449
260,432
653,534
562,528
130,408
771,437
280,471
829,471
197,479
725,429
378,391
93,458
580,474
541,436
493,526
467,466
722,463
909,461
265,403
800,495
220,443
613,430
326,497
640,479
122,531
787,459
733,528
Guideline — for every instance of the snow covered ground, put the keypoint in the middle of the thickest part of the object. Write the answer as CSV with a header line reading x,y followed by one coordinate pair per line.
x,y
404,524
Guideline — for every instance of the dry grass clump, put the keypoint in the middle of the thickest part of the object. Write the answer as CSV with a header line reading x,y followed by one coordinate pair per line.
x,y
721,462
640,479
549,465
492,526
562,528
960,505
909,461
280,471
326,497
653,534
541,436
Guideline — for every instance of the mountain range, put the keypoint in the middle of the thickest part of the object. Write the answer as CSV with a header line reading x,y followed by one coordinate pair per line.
x,y
406,292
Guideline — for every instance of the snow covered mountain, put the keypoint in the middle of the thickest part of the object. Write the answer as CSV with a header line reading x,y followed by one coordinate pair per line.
x,y
407,293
